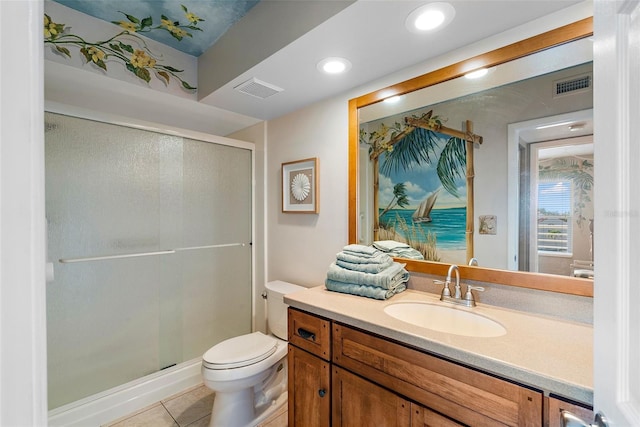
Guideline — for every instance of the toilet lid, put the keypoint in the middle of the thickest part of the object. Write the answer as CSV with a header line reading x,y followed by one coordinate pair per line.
x,y
240,351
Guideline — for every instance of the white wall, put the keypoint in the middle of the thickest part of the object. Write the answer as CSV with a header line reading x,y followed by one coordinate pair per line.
x,y
301,246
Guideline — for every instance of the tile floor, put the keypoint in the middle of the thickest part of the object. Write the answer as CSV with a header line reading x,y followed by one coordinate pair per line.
x,y
189,408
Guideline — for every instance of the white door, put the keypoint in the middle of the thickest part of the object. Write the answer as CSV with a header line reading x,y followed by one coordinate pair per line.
x,y
617,216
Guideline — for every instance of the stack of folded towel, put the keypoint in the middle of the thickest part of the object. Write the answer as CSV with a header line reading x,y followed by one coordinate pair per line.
x,y
366,271
397,249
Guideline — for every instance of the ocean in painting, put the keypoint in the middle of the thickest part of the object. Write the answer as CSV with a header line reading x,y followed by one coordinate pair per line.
x,y
448,225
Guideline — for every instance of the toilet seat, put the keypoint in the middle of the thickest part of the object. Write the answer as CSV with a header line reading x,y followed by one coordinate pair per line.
x,y
240,351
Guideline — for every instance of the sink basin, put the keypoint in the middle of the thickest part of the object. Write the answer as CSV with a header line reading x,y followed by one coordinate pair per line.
x,y
444,318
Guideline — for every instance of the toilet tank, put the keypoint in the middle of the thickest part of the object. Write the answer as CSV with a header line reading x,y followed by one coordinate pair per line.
x,y
276,307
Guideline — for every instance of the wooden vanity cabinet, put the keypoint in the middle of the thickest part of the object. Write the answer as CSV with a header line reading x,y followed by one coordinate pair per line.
x,y
342,376
309,377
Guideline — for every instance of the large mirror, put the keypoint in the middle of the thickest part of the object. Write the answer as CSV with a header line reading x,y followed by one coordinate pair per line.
x,y
496,170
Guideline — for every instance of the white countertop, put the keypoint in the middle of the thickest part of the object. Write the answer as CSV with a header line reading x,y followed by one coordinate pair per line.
x,y
552,355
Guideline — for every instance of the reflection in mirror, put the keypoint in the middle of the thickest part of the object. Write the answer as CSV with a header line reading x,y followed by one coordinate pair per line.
x,y
420,177
552,231
463,170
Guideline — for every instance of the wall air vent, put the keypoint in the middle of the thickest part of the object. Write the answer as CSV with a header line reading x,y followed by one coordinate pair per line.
x,y
573,84
257,88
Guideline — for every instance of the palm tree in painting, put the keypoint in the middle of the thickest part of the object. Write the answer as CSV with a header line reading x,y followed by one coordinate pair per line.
x,y
420,146
399,198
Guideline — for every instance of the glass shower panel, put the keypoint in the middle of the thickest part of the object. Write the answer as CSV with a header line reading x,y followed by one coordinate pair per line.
x,y
216,279
115,191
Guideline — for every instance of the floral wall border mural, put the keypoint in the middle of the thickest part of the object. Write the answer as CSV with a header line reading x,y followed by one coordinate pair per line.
x,y
126,46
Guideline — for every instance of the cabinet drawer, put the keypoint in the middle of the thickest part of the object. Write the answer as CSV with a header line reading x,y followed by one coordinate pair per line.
x,y
310,333
464,394
557,405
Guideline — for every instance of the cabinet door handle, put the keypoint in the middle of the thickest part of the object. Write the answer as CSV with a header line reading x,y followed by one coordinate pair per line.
x,y
322,392
306,334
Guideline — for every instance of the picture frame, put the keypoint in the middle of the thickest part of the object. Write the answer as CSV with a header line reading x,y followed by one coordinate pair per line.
x,y
300,186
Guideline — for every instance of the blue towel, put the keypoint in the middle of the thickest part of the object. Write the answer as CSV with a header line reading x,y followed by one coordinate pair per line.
x,y
361,250
389,245
387,279
397,249
406,253
352,257
375,292
372,268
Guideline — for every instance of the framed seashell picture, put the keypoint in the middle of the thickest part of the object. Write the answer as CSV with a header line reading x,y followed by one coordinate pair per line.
x,y
300,186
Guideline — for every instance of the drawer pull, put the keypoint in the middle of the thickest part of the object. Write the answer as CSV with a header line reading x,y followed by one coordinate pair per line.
x,y
322,392
306,334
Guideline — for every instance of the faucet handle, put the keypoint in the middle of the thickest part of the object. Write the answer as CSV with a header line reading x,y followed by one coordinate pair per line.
x,y
446,292
468,296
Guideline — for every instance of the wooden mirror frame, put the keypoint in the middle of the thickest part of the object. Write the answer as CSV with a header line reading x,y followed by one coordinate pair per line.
x,y
539,281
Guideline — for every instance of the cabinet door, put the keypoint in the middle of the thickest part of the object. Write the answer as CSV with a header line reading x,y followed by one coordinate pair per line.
x,y
466,395
423,417
309,392
358,402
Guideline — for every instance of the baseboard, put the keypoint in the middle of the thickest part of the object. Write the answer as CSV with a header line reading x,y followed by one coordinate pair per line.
x,y
128,398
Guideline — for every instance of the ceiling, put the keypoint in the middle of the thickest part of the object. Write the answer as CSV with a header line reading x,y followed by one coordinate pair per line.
x,y
217,17
280,42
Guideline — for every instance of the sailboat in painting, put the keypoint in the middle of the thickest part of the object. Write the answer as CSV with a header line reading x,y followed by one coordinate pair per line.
x,y
423,213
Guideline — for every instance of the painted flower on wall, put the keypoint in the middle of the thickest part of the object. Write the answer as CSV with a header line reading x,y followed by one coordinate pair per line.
x,y
126,46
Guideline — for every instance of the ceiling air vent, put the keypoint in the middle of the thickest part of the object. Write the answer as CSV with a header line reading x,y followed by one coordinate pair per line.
x,y
574,84
257,88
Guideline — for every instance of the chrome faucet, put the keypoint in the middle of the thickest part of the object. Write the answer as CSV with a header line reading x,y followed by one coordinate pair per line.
x,y
456,292
468,300
473,261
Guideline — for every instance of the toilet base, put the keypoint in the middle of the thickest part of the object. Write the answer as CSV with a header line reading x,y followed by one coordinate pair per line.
x,y
237,410
233,409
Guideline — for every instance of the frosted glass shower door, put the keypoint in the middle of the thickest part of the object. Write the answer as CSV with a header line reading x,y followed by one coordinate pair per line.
x,y
150,239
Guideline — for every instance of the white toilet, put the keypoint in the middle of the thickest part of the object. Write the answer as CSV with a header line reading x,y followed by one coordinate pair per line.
x,y
249,373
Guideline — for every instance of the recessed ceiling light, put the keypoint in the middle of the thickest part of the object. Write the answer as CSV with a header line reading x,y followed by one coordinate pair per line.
x,y
476,74
334,65
430,17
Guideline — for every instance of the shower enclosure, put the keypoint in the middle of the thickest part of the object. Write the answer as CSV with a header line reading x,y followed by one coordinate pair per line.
x,y
150,238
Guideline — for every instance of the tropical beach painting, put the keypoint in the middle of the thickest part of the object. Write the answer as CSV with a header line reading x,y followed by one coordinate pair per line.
x,y
421,187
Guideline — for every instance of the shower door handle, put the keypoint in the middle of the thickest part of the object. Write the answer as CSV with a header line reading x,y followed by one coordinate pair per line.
x,y
119,256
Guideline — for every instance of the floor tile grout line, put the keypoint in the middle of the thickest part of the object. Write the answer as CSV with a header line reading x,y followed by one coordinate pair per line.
x,y
168,412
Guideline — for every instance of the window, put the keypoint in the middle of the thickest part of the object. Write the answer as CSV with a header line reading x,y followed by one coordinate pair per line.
x,y
555,225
